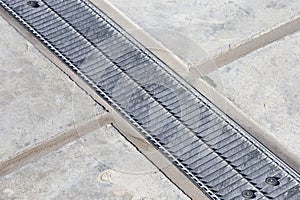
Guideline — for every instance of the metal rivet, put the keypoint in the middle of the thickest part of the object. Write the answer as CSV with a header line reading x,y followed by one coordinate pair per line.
x,y
248,194
272,181
33,4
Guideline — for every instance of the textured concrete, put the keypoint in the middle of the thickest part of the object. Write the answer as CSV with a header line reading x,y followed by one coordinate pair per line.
x,y
265,85
103,165
195,30
37,100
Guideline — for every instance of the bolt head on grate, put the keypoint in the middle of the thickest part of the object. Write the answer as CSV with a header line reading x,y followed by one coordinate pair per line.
x,y
272,181
248,194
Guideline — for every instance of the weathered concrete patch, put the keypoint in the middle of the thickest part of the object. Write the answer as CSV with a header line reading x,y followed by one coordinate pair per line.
x,y
37,100
91,168
265,85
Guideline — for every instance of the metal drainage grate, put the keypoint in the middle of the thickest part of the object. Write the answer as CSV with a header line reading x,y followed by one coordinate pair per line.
x,y
219,156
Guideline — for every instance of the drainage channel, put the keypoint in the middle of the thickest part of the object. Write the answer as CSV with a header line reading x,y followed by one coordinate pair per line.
x,y
218,155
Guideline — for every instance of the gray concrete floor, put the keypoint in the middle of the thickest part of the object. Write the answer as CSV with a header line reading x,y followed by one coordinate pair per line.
x,y
101,165
199,29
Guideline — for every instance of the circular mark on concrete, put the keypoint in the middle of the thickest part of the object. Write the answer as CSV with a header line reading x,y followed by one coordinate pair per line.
x,y
106,176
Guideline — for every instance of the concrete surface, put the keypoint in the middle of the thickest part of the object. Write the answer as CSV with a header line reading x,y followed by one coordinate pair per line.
x,y
265,85
195,30
37,100
91,168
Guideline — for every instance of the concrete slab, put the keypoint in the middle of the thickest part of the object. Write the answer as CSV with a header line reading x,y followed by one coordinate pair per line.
x,y
196,30
37,100
103,165
265,86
